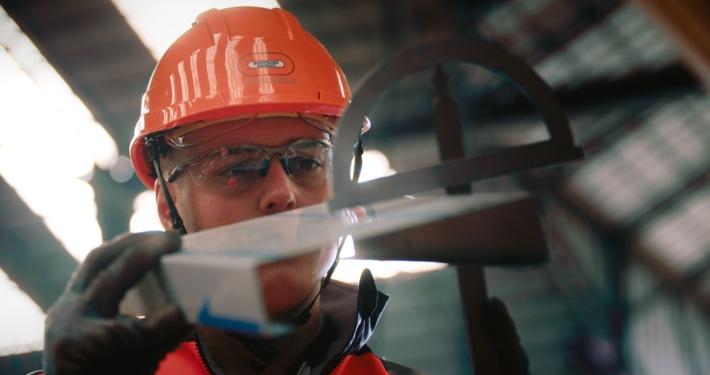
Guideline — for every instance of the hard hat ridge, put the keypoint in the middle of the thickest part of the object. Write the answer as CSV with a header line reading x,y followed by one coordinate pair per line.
x,y
213,23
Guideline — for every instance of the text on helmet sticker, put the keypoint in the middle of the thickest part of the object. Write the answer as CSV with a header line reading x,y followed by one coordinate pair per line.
x,y
265,64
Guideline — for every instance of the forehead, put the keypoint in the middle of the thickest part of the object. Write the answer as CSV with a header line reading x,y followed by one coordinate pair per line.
x,y
269,131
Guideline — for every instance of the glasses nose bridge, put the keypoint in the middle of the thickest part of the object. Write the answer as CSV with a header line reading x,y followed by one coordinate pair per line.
x,y
270,152
282,152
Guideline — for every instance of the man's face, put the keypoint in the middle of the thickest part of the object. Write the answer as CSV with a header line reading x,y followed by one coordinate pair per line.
x,y
287,284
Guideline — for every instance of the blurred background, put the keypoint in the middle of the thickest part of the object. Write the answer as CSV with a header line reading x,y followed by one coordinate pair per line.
x,y
627,290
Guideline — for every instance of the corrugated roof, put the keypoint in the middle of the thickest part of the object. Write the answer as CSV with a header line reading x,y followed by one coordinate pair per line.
x,y
649,164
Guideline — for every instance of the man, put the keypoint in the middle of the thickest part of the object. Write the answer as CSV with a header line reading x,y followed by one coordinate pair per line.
x,y
237,123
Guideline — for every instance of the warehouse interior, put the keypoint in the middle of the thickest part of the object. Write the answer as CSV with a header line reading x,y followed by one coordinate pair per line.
x,y
627,287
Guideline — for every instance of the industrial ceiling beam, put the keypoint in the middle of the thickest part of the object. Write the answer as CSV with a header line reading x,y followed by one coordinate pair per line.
x,y
671,81
29,254
98,54
699,182
90,44
686,22
636,93
590,15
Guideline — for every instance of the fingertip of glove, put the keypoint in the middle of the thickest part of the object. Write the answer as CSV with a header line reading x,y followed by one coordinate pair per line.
x,y
162,242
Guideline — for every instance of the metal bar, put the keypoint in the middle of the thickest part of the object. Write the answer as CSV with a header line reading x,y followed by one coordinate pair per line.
x,y
472,282
454,172
508,234
447,125
472,287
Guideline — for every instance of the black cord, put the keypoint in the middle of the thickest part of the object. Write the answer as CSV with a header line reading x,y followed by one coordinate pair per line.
x,y
155,153
326,279
358,158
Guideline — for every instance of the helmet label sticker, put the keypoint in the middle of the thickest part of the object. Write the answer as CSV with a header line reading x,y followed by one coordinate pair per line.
x,y
265,64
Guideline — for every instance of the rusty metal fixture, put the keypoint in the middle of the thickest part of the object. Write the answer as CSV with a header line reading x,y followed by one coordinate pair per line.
x,y
456,172
450,240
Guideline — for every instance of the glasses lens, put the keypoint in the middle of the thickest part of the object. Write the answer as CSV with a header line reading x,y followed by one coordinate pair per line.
x,y
235,167
309,162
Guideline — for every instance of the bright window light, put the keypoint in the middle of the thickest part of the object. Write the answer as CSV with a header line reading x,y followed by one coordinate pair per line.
x,y
50,95
49,143
145,213
349,270
374,165
159,22
21,320
348,250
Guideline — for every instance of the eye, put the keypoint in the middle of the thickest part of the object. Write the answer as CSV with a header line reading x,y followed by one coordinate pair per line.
x,y
306,164
240,169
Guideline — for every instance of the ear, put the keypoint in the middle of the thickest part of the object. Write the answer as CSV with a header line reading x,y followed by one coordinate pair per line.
x,y
163,211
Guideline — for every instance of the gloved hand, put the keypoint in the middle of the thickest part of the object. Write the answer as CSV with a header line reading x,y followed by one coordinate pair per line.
x,y
84,334
500,327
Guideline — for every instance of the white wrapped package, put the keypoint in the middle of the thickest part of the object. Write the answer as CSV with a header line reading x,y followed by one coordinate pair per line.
x,y
214,277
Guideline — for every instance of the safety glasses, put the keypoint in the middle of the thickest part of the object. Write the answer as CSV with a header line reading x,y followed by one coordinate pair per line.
x,y
307,161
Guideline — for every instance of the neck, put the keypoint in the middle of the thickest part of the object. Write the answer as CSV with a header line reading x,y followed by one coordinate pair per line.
x,y
232,358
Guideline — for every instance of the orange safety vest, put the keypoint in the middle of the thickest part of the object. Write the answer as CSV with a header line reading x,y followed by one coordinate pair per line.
x,y
186,361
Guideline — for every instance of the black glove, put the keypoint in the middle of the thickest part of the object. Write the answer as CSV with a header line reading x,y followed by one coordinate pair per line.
x,y
504,339
84,334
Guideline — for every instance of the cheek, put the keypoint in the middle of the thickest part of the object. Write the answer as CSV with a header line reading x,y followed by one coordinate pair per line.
x,y
202,208
315,196
286,284
206,209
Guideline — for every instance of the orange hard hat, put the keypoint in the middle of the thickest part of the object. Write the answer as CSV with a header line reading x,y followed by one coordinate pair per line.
x,y
232,62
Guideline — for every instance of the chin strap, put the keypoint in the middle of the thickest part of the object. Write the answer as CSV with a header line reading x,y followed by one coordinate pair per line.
x,y
155,154
264,351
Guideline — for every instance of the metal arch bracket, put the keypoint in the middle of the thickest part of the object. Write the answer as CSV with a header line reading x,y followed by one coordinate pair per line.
x,y
450,173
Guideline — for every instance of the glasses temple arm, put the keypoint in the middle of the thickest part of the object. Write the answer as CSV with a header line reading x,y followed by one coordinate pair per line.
x,y
154,150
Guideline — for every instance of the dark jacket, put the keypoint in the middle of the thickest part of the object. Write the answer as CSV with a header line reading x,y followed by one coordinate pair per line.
x,y
350,314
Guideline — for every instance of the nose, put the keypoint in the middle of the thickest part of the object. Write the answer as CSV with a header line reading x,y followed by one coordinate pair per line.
x,y
279,190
